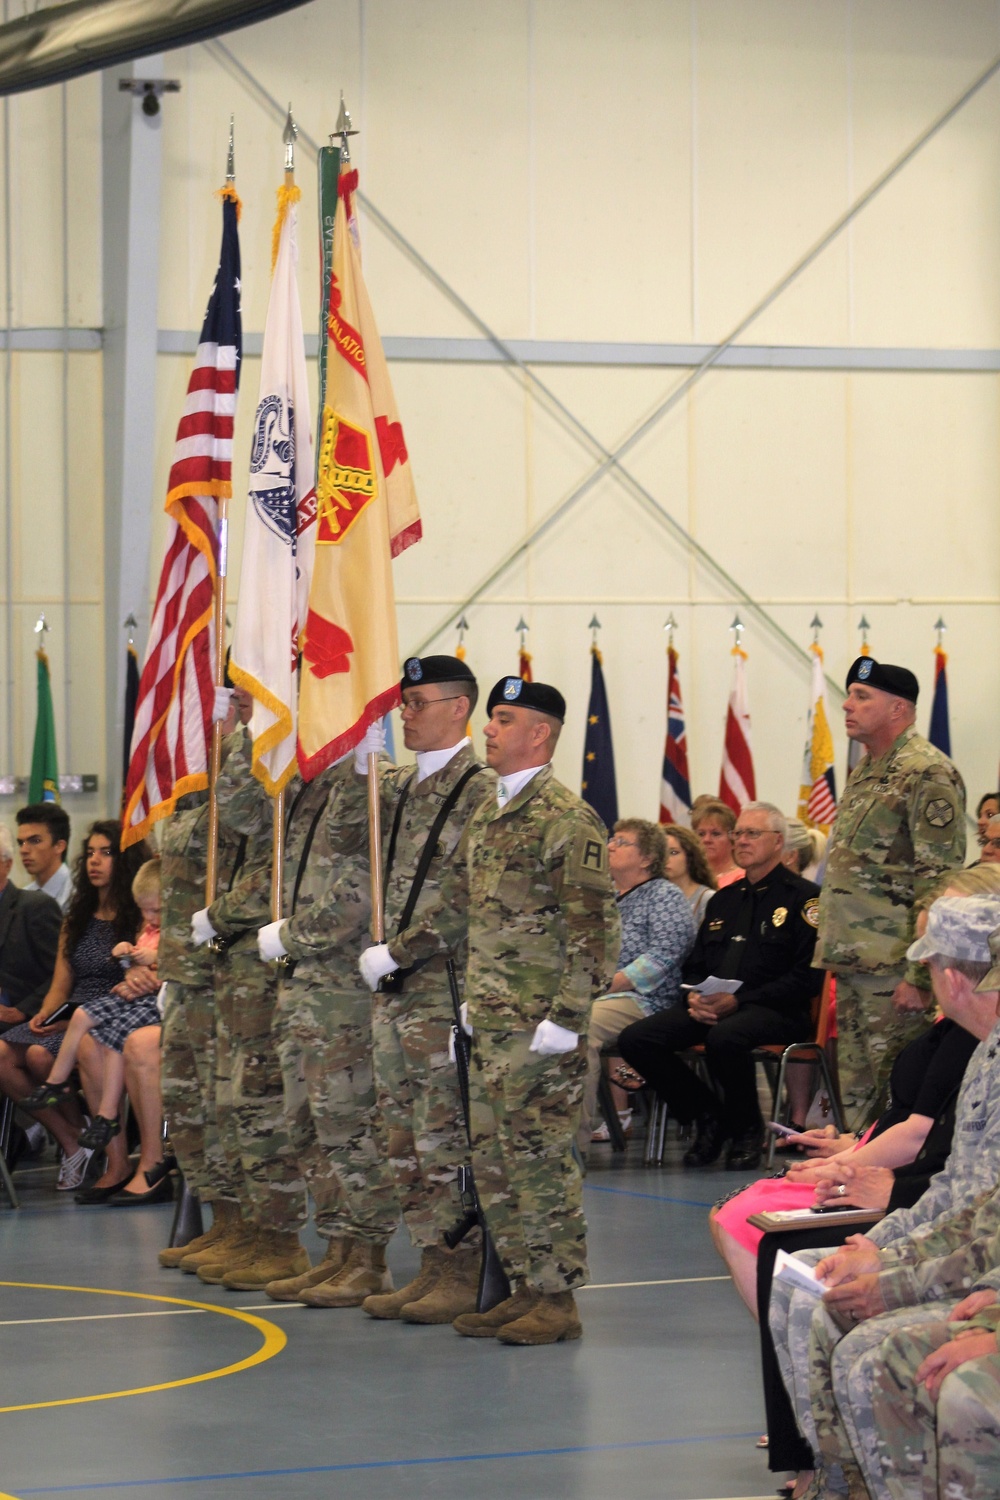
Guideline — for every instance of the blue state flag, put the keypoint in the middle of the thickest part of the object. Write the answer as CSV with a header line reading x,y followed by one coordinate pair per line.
x,y
939,733
598,784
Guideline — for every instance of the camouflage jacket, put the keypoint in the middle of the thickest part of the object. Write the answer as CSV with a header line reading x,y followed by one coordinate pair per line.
x,y
531,882
949,1258
330,893
900,825
184,855
420,809
245,905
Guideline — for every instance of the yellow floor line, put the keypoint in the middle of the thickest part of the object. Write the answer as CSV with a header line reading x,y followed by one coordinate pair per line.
x,y
274,1341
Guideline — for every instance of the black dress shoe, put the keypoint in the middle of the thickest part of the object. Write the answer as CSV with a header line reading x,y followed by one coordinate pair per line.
x,y
91,1195
710,1137
746,1151
161,1191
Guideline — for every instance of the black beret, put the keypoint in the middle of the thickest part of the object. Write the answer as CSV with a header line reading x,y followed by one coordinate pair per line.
x,y
899,681
423,671
517,693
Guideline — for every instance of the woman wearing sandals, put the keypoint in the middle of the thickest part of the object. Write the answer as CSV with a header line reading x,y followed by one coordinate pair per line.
x,y
102,916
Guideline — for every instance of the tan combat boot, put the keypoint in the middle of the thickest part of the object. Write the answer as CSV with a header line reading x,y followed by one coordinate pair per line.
x,y
235,1237
225,1213
391,1304
279,1254
453,1294
363,1273
488,1324
212,1271
287,1289
552,1319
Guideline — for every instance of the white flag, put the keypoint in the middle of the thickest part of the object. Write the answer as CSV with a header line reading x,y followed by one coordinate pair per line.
x,y
279,538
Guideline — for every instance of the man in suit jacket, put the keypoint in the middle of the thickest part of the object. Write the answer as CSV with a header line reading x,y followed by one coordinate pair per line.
x,y
29,939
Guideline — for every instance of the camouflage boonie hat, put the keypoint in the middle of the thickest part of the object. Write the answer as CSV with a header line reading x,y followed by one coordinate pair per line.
x,y
958,927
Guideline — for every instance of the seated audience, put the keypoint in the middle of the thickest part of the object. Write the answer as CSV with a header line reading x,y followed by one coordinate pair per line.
x,y
761,932
805,849
990,843
657,936
101,914
714,822
687,868
961,937
42,840
29,939
112,1019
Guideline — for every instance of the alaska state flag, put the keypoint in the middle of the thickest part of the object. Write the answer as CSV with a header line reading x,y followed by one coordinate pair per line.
x,y
598,784
939,733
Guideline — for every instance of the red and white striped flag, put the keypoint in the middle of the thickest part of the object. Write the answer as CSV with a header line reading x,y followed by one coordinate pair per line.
x,y
173,715
737,786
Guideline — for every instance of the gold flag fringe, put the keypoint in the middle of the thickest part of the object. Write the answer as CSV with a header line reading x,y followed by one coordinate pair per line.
x,y
230,192
287,195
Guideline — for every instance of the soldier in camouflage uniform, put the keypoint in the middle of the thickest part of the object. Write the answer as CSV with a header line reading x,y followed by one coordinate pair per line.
x,y
322,1028
248,1075
531,880
916,1256
900,825
416,1079
187,1039
935,1410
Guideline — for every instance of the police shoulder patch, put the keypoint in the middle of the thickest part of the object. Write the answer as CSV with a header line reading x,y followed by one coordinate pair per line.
x,y
939,812
587,859
810,912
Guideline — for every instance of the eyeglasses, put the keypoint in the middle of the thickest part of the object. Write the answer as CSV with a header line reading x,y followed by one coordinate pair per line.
x,y
616,841
417,705
991,843
752,833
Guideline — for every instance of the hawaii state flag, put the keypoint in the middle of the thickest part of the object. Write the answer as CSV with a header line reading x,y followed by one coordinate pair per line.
x,y
939,733
675,783
280,522
173,715
818,788
367,514
737,786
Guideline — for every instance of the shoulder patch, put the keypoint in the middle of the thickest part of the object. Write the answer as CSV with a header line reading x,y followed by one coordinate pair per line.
x,y
587,860
810,912
939,812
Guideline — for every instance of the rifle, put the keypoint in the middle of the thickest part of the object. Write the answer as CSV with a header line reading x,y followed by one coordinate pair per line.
x,y
493,1284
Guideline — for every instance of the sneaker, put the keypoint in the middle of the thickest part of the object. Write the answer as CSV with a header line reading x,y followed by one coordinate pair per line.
x,y
73,1170
602,1133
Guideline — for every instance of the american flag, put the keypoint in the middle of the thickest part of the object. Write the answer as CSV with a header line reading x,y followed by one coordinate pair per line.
x,y
173,715
675,785
737,785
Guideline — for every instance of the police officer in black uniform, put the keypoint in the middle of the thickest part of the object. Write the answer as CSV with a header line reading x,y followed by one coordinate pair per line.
x,y
761,931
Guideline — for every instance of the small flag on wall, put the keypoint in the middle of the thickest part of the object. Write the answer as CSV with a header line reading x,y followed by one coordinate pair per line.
x,y
598,783
737,785
44,783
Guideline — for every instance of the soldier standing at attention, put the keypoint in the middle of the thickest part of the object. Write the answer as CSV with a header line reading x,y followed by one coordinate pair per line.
x,y
424,813
899,826
531,886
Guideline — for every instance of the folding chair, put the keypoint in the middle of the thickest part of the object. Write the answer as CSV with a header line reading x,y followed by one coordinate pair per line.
x,y
6,1126
776,1060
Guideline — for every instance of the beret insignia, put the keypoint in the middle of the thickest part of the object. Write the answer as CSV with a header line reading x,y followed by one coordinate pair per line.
x,y
512,689
413,669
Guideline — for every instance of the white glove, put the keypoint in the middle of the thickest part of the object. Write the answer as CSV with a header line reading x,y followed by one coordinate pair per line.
x,y
269,944
161,998
463,1011
550,1039
223,702
202,930
373,743
375,963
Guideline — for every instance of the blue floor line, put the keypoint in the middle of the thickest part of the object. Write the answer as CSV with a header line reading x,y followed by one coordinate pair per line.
x,y
592,1187
391,1463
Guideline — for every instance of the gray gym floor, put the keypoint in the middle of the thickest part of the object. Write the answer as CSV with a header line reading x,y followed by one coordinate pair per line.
x,y
660,1400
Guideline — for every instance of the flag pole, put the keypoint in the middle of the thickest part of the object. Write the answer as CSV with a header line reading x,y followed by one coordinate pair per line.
x,y
345,130
219,665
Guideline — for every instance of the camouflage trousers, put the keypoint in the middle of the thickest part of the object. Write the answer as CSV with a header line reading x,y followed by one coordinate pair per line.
x,y
870,1035
525,1113
249,1093
924,1449
324,1039
421,1109
187,1083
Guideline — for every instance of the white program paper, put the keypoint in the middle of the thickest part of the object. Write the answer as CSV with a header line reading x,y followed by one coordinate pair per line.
x,y
787,1268
715,986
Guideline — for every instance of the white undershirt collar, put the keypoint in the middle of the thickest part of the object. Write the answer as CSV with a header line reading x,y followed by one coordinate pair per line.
x,y
429,761
509,786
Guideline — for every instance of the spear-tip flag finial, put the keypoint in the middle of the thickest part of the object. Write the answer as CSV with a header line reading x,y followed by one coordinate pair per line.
x,y
231,154
42,626
343,129
288,135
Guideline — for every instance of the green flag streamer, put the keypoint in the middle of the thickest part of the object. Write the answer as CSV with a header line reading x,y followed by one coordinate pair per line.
x,y
44,786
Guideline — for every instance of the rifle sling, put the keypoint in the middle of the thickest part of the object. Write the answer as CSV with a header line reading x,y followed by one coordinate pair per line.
x,y
427,853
